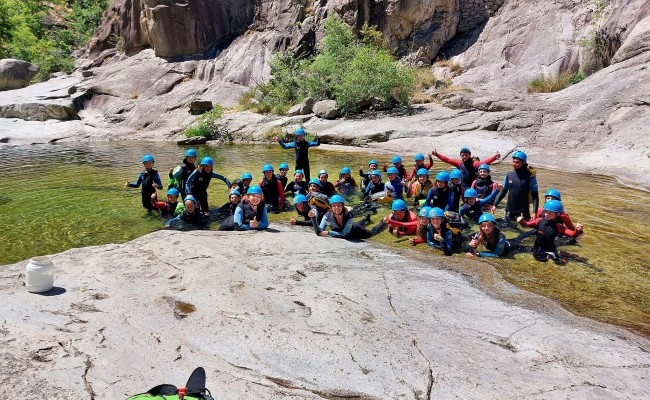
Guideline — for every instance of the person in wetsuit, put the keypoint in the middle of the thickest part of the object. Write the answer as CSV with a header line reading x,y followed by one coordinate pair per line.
x,y
490,238
483,184
456,185
467,165
440,235
282,176
394,184
272,189
346,183
419,164
401,221
375,185
250,213
198,182
547,229
181,173
421,228
397,163
298,185
441,195
473,207
302,150
420,189
150,181
190,218
327,188
168,207
519,184
365,177
340,222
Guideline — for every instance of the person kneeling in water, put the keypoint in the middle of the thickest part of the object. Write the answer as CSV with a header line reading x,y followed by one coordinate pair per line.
x,y
548,227
340,222
192,216
491,238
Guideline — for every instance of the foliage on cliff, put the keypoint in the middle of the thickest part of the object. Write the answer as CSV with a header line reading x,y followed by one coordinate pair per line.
x,y
347,68
47,32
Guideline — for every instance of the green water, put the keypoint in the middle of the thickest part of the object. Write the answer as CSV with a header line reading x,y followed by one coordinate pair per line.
x,y
61,196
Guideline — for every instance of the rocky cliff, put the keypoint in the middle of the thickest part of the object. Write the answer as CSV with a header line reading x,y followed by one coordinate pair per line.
x,y
151,59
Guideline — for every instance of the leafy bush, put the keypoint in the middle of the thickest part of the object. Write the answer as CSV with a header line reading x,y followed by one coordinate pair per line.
x,y
551,84
208,126
348,69
46,33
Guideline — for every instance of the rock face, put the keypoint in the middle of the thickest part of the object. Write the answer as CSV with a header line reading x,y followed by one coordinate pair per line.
x,y
326,109
339,320
16,74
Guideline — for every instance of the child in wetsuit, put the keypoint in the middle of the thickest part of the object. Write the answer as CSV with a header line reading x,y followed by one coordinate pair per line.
x,y
440,235
346,183
421,187
547,229
198,182
167,208
490,238
190,218
467,165
365,177
421,229
272,189
298,185
440,195
327,188
150,181
180,174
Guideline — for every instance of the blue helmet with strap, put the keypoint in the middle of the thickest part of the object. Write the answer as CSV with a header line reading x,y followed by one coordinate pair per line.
x,y
374,172
235,192
554,206
553,193
424,212
190,153
346,170
484,166
337,199
443,176
486,217
323,172
373,162
173,192
397,159
267,167
455,174
470,193
207,161
465,150
423,171
299,198
315,181
398,205
147,157
300,131
283,166
392,170
436,212
191,198
254,190
298,171
520,155
246,175
419,157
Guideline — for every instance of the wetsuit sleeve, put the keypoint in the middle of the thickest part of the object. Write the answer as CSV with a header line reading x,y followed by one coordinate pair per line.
x,y
323,223
156,178
264,223
314,143
498,251
534,192
363,174
502,193
448,241
281,194
488,160
285,146
450,201
190,181
239,219
346,229
399,224
450,161
418,240
223,178
159,204
428,166
566,231
137,183
488,199
566,220
427,202
412,174
532,223
172,221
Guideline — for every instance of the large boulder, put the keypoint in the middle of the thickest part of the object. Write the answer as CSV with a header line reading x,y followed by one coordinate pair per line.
x,y
326,109
16,74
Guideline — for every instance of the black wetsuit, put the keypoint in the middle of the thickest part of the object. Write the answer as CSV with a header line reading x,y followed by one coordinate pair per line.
x,y
458,194
483,186
440,198
271,192
146,180
248,214
302,153
328,189
518,184
544,247
186,170
297,188
283,180
469,171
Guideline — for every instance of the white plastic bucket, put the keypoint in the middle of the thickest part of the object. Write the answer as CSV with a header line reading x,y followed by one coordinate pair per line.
x,y
40,275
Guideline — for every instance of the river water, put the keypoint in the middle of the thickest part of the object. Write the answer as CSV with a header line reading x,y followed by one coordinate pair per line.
x,y
59,196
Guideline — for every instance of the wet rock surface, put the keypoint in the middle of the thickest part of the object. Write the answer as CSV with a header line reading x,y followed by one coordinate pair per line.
x,y
334,320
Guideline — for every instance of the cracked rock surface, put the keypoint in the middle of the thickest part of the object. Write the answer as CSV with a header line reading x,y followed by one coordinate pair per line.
x,y
284,314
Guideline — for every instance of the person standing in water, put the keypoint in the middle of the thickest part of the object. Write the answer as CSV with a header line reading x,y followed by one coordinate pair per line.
x,y
302,150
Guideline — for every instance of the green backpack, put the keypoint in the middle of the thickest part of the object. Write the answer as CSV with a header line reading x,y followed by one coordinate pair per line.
x,y
194,390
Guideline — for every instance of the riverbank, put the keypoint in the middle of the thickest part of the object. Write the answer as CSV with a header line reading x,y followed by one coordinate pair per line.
x,y
314,324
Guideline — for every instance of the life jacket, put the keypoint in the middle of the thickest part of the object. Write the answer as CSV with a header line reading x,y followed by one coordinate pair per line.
x,y
201,181
148,180
270,190
440,197
483,186
249,213
331,220
546,233
469,171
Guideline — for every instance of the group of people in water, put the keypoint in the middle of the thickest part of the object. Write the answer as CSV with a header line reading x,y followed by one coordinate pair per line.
x,y
433,211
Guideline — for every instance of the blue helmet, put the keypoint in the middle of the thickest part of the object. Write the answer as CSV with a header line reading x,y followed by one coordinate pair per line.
x,y
315,181
254,190
554,206
284,166
298,171
267,167
234,191
443,176
419,157
373,162
553,193
246,175
173,192
397,159
465,150
398,205
375,172
455,174
392,170
337,199
423,171
191,198
484,166
147,157
346,170
520,155
436,212
470,193
486,217
424,212
190,153
323,172
207,161
300,131
300,198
